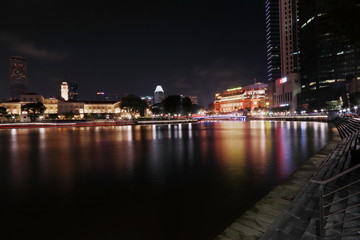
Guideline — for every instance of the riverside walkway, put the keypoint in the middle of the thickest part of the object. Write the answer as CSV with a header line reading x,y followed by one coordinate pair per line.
x,y
329,179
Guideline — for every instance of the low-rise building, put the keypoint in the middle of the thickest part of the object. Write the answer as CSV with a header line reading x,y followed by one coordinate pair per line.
x,y
249,97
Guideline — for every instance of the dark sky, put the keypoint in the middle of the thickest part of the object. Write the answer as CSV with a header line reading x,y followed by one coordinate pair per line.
x,y
190,47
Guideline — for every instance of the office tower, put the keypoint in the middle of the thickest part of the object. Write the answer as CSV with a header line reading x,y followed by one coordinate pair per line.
x,y
289,40
17,76
283,51
158,94
64,88
69,90
73,90
330,52
272,39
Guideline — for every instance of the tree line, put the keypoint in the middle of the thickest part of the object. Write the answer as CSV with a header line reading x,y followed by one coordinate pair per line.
x,y
171,106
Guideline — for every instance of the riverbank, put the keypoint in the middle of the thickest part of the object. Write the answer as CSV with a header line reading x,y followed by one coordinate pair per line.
x,y
316,118
64,124
254,223
97,123
166,121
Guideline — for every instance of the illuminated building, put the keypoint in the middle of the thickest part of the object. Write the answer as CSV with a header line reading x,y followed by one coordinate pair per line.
x,y
101,107
235,99
17,76
329,50
158,94
273,39
12,108
286,90
69,91
282,34
51,105
65,91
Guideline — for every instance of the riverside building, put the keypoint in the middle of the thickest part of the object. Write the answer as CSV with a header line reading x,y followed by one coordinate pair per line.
x,y
235,99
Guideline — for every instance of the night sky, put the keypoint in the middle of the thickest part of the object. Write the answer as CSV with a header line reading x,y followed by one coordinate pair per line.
x,y
190,47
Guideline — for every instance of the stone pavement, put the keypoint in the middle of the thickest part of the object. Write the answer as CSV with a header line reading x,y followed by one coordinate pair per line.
x,y
255,222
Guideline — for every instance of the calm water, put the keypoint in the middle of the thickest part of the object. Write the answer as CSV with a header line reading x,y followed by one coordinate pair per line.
x,y
185,181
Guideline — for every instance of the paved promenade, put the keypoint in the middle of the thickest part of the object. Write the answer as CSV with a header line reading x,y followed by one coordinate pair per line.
x,y
257,221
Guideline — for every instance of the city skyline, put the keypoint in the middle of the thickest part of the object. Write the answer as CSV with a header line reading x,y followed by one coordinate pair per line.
x,y
191,48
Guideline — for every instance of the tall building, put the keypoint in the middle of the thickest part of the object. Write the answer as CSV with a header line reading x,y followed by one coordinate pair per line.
x,y
64,88
73,90
17,76
158,94
272,39
330,50
282,31
289,37
69,91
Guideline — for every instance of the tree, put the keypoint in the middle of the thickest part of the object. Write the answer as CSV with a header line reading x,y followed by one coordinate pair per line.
x,y
134,104
186,106
157,108
34,110
3,111
69,115
176,104
172,104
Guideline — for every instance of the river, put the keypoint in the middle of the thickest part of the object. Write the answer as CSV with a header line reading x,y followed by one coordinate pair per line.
x,y
182,181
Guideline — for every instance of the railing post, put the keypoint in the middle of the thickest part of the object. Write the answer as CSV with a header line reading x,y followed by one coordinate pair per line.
x,y
321,213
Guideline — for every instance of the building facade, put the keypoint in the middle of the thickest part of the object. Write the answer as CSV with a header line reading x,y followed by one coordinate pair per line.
x,y
286,91
18,76
158,94
235,99
330,50
282,33
69,91
272,40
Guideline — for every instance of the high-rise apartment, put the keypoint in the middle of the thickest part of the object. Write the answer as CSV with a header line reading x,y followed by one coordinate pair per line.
x,y
158,94
330,52
17,76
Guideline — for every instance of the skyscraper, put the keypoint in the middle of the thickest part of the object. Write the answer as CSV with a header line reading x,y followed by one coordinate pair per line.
x,y
158,94
330,52
64,88
17,76
73,90
69,90
283,52
272,39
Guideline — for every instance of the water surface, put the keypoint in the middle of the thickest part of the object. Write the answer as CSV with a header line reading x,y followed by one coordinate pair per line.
x,y
183,181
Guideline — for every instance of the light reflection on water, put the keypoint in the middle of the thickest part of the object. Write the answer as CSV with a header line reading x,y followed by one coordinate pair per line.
x,y
197,176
